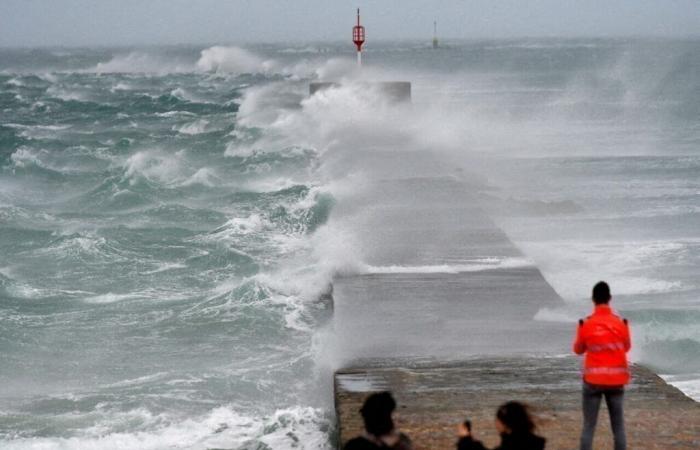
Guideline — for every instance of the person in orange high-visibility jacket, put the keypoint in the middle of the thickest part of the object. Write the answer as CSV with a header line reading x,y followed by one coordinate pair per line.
x,y
604,339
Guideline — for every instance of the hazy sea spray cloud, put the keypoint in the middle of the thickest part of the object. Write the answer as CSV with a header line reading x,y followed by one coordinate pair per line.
x,y
219,59
143,62
232,60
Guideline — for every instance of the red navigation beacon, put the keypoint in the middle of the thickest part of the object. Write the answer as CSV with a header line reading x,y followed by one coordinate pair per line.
x,y
358,37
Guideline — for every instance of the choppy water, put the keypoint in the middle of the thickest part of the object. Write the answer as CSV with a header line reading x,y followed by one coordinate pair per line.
x,y
166,216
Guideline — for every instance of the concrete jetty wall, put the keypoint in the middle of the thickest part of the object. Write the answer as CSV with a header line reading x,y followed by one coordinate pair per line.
x,y
433,398
447,283
445,291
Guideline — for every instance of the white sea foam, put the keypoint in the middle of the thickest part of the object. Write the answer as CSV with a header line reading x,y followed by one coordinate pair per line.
x,y
37,131
569,266
175,114
689,384
472,266
270,185
137,381
22,290
154,165
241,150
24,157
121,86
295,289
48,76
309,264
184,94
110,298
62,93
166,267
6,271
232,60
304,49
254,223
223,427
197,127
336,68
140,62
204,177
359,115
15,82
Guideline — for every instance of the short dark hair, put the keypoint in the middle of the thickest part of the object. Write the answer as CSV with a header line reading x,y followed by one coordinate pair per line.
x,y
468,425
376,413
516,417
601,293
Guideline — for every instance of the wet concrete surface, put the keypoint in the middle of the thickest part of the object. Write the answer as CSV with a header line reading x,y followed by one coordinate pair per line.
x,y
434,398
445,317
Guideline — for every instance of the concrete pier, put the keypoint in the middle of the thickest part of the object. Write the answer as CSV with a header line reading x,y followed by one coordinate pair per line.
x,y
434,398
447,290
447,283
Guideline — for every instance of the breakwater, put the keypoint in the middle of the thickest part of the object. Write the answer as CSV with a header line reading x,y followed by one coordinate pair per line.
x,y
446,291
433,398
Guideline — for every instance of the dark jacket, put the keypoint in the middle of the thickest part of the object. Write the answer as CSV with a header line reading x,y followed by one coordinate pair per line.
x,y
468,443
362,443
516,441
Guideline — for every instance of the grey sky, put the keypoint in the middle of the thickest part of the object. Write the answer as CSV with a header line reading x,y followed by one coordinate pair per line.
x,y
109,22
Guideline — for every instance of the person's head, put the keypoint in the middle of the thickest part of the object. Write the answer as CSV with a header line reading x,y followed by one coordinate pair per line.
x,y
376,413
464,429
514,417
601,293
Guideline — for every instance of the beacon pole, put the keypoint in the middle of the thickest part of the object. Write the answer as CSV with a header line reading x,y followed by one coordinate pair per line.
x,y
358,37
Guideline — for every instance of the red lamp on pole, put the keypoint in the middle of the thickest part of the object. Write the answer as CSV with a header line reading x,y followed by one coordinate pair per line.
x,y
358,37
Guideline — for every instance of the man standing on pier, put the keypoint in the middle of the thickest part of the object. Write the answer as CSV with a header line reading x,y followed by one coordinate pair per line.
x,y
605,339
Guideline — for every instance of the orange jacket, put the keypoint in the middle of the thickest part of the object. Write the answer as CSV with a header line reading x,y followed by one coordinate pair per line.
x,y
605,339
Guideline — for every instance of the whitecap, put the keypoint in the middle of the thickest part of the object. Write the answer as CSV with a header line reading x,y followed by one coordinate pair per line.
x,y
120,86
197,127
232,60
184,95
166,267
15,82
222,427
140,62
23,157
65,95
110,298
204,177
254,223
154,165
175,114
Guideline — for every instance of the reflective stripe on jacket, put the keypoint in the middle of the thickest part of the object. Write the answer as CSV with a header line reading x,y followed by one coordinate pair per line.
x,y
605,340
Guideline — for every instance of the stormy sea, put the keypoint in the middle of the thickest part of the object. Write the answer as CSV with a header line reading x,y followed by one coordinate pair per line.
x,y
169,226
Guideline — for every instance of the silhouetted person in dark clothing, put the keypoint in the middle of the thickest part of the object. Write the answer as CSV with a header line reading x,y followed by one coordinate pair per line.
x,y
466,440
516,428
380,432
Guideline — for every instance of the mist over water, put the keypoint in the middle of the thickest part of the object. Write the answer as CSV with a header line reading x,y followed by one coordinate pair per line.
x,y
171,219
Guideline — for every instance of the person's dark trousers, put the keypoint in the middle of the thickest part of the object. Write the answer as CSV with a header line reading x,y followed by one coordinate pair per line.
x,y
614,397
